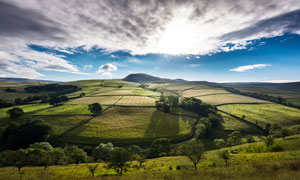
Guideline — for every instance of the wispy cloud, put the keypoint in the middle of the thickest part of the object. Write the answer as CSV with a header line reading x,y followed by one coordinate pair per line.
x,y
134,60
195,65
106,69
249,67
87,67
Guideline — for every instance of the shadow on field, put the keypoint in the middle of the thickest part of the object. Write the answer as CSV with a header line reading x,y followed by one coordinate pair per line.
x,y
162,125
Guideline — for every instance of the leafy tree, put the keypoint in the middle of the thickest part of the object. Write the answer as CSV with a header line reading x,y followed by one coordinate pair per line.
x,y
134,149
173,100
44,98
54,100
102,152
96,109
92,168
42,145
64,99
21,136
201,130
75,154
15,112
20,158
141,159
269,141
250,139
274,128
159,147
82,94
119,160
225,155
284,132
215,119
219,143
19,101
194,151
58,156
234,138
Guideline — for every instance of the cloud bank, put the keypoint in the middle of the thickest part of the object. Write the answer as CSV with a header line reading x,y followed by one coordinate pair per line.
x,y
249,67
138,26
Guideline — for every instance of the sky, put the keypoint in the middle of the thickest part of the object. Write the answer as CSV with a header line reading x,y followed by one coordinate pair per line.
x,y
201,40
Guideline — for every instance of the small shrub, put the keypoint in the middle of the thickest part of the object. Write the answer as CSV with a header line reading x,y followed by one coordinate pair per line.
x,y
178,167
276,148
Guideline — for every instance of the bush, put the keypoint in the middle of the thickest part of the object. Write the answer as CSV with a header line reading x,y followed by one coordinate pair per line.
x,y
15,112
276,148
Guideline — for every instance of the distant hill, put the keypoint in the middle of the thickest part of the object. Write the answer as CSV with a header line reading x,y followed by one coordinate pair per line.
x,y
146,78
292,86
26,80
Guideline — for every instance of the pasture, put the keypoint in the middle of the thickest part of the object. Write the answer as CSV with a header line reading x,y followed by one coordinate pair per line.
x,y
264,113
136,101
131,125
26,108
219,99
103,100
295,101
66,109
202,92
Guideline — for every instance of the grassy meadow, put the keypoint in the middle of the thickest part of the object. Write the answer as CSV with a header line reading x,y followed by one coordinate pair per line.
x,y
264,113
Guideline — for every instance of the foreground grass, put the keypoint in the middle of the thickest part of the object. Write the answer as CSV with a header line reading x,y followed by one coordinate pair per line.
x,y
242,165
264,113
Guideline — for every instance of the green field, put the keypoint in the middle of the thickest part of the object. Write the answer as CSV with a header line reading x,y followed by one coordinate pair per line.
x,y
103,100
264,113
202,92
26,108
67,109
131,125
232,124
136,101
61,124
229,98
295,101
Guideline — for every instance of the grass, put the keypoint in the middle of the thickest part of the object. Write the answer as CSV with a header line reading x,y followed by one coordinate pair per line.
x,y
202,92
233,124
61,124
103,100
131,125
136,101
229,98
264,113
66,109
145,92
119,92
26,108
181,111
295,101
276,165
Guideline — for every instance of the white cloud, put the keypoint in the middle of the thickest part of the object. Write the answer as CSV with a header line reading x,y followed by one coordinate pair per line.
x,y
195,65
87,67
106,69
249,67
134,60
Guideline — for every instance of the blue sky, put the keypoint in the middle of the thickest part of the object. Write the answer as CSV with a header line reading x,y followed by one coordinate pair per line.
x,y
218,41
281,54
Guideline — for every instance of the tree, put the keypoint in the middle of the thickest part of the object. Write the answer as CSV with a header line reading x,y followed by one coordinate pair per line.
x,y
20,158
160,147
250,139
173,100
96,109
55,100
75,154
194,151
18,101
284,132
44,98
119,160
219,143
234,138
21,136
134,149
141,159
225,155
15,112
58,156
269,141
102,152
64,99
82,94
92,168
42,145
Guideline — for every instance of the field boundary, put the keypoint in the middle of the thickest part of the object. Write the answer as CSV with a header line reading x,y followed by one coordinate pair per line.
x,y
243,120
